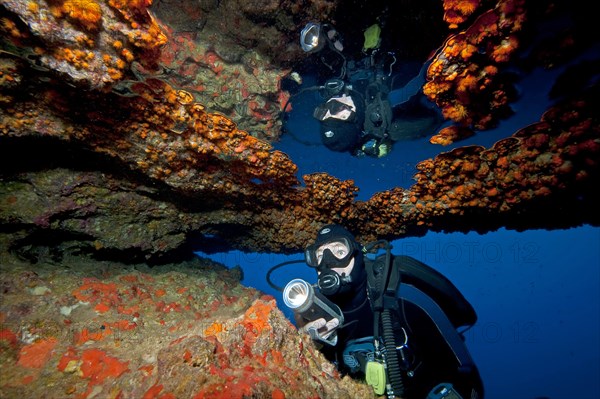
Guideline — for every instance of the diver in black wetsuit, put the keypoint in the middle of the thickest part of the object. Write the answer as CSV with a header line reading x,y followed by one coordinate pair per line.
x,y
362,112
397,322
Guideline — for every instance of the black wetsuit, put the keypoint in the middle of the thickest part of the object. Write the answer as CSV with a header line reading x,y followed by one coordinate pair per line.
x,y
433,360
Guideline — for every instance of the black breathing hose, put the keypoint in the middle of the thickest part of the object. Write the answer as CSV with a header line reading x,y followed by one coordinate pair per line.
x,y
312,88
394,374
282,117
391,354
271,270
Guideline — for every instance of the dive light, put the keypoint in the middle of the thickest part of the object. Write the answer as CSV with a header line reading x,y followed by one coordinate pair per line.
x,y
311,305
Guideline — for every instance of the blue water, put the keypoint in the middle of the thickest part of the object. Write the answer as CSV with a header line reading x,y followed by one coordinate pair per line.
x,y
537,293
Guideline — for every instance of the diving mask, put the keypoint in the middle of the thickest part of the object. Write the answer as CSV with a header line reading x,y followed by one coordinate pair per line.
x,y
336,253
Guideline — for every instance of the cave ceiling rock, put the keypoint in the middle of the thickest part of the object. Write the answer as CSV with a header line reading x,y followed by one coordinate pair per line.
x,y
217,180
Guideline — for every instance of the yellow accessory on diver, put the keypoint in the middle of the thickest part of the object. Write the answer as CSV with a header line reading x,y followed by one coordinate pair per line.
x,y
375,376
383,150
372,37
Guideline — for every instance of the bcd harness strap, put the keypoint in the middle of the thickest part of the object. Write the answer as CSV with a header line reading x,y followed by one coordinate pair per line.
x,y
386,290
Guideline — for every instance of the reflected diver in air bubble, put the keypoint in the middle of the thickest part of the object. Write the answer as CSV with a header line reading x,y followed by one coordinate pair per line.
x,y
362,112
391,320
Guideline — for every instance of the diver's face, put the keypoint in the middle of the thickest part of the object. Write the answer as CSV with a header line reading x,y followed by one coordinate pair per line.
x,y
340,251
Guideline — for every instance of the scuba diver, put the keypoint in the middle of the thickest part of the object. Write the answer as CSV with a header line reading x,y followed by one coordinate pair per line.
x,y
362,113
391,320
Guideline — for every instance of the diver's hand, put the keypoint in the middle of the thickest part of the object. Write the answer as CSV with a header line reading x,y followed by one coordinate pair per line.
x,y
318,324
321,329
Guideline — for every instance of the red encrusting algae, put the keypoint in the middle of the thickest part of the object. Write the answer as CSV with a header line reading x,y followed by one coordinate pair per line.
x,y
37,354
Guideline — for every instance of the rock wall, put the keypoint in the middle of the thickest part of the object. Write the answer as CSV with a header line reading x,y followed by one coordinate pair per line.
x,y
187,173
132,136
80,328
